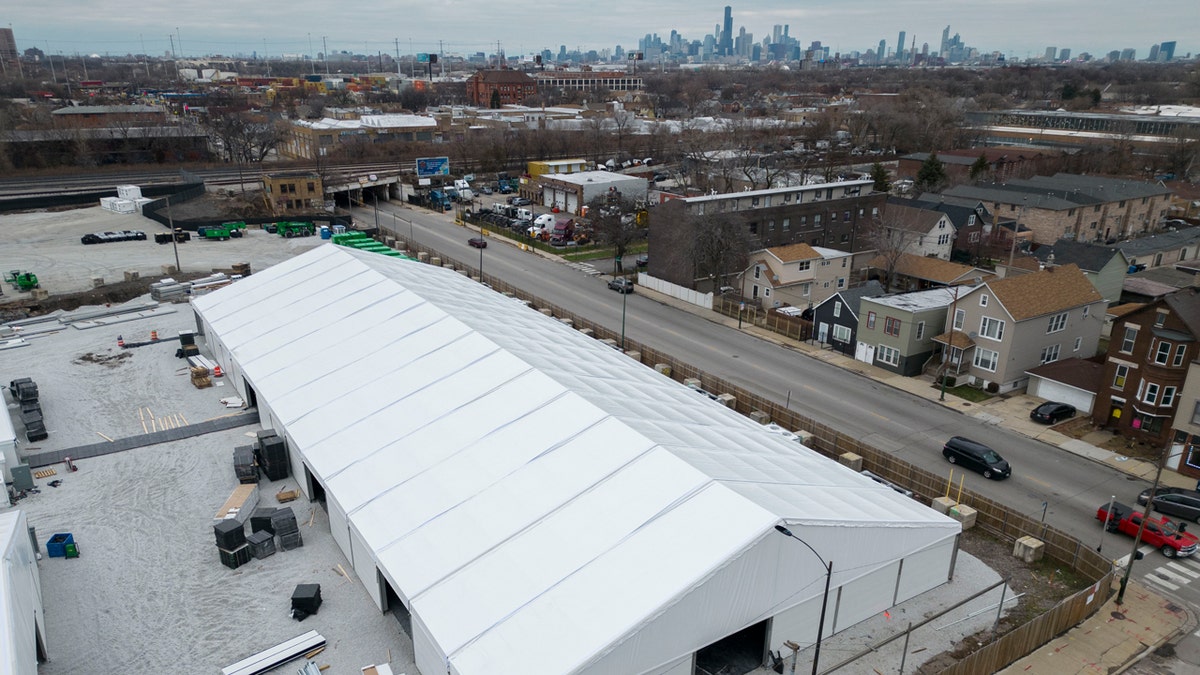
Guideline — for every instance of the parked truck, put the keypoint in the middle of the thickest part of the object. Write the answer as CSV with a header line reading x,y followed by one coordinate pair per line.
x,y
1169,537
221,232
563,232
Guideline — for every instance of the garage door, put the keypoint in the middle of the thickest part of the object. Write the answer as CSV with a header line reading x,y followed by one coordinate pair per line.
x,y
1056,391
864,352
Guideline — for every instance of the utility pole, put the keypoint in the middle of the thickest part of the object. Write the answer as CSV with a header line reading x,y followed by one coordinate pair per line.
x,y
180,39
311,62
397,41
325,53
50,57
1137,540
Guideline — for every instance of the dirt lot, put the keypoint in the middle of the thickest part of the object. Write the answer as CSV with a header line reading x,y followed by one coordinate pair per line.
x,y
1082,426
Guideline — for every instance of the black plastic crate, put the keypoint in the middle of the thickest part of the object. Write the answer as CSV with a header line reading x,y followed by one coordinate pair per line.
x,y
307,598
260,519
235,558
262,544
230,534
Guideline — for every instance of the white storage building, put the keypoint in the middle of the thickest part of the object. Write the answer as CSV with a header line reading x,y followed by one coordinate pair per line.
x,y
571,191
22,622
536,502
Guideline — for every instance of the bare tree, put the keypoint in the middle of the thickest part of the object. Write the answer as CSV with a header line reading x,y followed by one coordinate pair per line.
x,y
719,248
614,221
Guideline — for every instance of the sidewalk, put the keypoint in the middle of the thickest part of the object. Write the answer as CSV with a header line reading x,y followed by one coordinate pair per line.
x,y
1116,636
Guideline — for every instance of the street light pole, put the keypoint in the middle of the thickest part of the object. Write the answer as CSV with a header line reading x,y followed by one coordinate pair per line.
x,y
174,239
824,598
1137,540
624,300
950,348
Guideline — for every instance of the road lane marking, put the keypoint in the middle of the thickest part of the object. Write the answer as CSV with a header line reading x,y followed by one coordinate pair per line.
x,y
1159,582
1178,578
1180,568
1039,482
1190,562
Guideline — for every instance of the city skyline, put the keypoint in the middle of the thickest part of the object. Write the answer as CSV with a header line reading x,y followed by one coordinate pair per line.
x,y
1017,28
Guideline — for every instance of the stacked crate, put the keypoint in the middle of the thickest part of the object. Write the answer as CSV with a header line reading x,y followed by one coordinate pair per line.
x,y
283,521
25,394
231,543
244,465
261,543
201,378
272,455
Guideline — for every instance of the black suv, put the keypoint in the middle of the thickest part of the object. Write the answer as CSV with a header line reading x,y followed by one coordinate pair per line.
x,y
977,457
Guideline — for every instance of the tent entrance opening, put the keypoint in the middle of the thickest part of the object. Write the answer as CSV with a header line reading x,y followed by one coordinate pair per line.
x,y
735,654
396,605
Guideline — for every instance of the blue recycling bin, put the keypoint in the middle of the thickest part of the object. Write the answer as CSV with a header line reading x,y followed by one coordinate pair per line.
x,y
326,233
57,546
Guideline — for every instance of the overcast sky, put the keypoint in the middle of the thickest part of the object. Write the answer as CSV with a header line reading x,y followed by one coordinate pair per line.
x,y
1017,28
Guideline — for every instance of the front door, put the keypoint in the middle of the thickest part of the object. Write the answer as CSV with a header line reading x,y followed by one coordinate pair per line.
x,y
864,352
823,333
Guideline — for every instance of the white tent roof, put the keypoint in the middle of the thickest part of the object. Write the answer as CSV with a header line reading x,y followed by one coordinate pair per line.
x,y
512,476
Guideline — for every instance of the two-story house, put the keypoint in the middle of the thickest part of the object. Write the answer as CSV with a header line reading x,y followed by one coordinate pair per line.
x,y
896,331
837,319
1006,327
797,274
1149,356
912,229
1104,266
908,272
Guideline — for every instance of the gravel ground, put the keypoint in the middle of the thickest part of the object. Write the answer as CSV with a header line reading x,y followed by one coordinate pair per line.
x,y
47,244
148,593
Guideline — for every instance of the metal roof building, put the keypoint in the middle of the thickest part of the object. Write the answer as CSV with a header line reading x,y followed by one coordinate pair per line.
x,y
537,502
22,622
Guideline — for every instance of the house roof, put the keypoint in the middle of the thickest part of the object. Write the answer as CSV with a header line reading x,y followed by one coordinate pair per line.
x,y
1061,191
504,76
793,252
852,297
931,269
1080,373
527,490
1160,241
1118,311
1146,287
911,218
918,301
955,338
959,214
1186,305
1089,257
1053,289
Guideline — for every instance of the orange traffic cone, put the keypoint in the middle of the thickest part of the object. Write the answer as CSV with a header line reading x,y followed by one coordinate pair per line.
x,y
154,336
217,371
120,341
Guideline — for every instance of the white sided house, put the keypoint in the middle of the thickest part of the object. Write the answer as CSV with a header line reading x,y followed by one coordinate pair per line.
x,y
22,621
537,502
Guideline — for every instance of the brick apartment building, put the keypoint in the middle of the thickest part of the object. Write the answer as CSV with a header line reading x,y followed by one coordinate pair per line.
x,y
513,87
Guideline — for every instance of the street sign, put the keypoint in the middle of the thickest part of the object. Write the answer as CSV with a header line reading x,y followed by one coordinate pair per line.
x,y
433,166
422,58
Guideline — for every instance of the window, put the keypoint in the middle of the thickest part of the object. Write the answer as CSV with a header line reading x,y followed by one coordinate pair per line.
x,y
754,227
833,217
871,320
787,224
817,220
1151,395
846,216
804,266
1149,424
1057,322
983,300
841,333
841,282
973,237
891,326
837,308
805,290
990,328
1078,344
754,201
767,292
1120,376
1161,317
986,359
920,330
1161,354
757,272
1130,338
888,355
1050,354
1168,396
1086,310
1179,352
770,226
960,316
943,239
1196,413
803,221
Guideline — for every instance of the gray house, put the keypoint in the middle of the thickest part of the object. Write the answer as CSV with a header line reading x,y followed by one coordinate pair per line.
x,y
1004,328
895,332
1104,266
837,318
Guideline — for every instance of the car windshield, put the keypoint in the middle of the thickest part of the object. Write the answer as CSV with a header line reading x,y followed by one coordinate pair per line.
x,y
991,457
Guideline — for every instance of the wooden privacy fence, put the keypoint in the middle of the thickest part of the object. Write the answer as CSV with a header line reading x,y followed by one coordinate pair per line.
x,y
993,517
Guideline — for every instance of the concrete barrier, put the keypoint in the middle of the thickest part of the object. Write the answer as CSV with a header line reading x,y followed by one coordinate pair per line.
x,y
851,460
1030,549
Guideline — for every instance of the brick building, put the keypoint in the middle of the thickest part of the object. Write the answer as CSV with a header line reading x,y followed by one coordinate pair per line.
x,y
513,87
833,215
294,191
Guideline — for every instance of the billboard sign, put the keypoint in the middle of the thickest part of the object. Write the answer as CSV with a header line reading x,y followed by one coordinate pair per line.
x,y
433,166
422,58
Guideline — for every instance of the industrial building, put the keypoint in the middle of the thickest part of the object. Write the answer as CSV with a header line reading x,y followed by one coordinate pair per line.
x,y
571,191
527,499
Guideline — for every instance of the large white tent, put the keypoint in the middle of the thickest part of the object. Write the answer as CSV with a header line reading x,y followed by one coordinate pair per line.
x,y
22,624
540,502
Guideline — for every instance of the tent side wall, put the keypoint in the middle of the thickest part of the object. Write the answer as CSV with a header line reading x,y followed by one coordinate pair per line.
x,y
426,653
23,624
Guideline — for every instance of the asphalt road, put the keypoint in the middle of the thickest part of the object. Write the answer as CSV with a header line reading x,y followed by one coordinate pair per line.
x,y
1068,487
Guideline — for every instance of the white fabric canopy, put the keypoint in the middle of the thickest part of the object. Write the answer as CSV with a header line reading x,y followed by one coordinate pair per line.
x,y
534,496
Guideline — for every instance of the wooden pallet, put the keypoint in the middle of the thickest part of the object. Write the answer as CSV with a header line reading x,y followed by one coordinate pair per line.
x,y
45,473
285,496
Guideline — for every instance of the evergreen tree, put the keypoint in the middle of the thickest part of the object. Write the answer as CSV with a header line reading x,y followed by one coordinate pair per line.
x,y
879,174
494,104
931,177
980,167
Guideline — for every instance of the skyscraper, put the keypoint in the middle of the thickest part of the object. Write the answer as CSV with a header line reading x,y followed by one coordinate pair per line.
x,y
8,45
725,46
1050,53
900,46
882,53
1064,54
1166,51
944,52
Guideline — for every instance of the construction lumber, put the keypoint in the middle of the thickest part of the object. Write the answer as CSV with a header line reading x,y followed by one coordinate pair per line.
x,y
276,656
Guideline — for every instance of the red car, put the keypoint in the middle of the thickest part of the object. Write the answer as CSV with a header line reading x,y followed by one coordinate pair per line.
x,y
1167,536
477,242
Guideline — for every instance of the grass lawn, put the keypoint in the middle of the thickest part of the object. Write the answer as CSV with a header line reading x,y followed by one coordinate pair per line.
x,y
968,392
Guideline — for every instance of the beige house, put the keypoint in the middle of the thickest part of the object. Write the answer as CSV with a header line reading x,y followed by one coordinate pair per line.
x,y
797,274
1006,327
